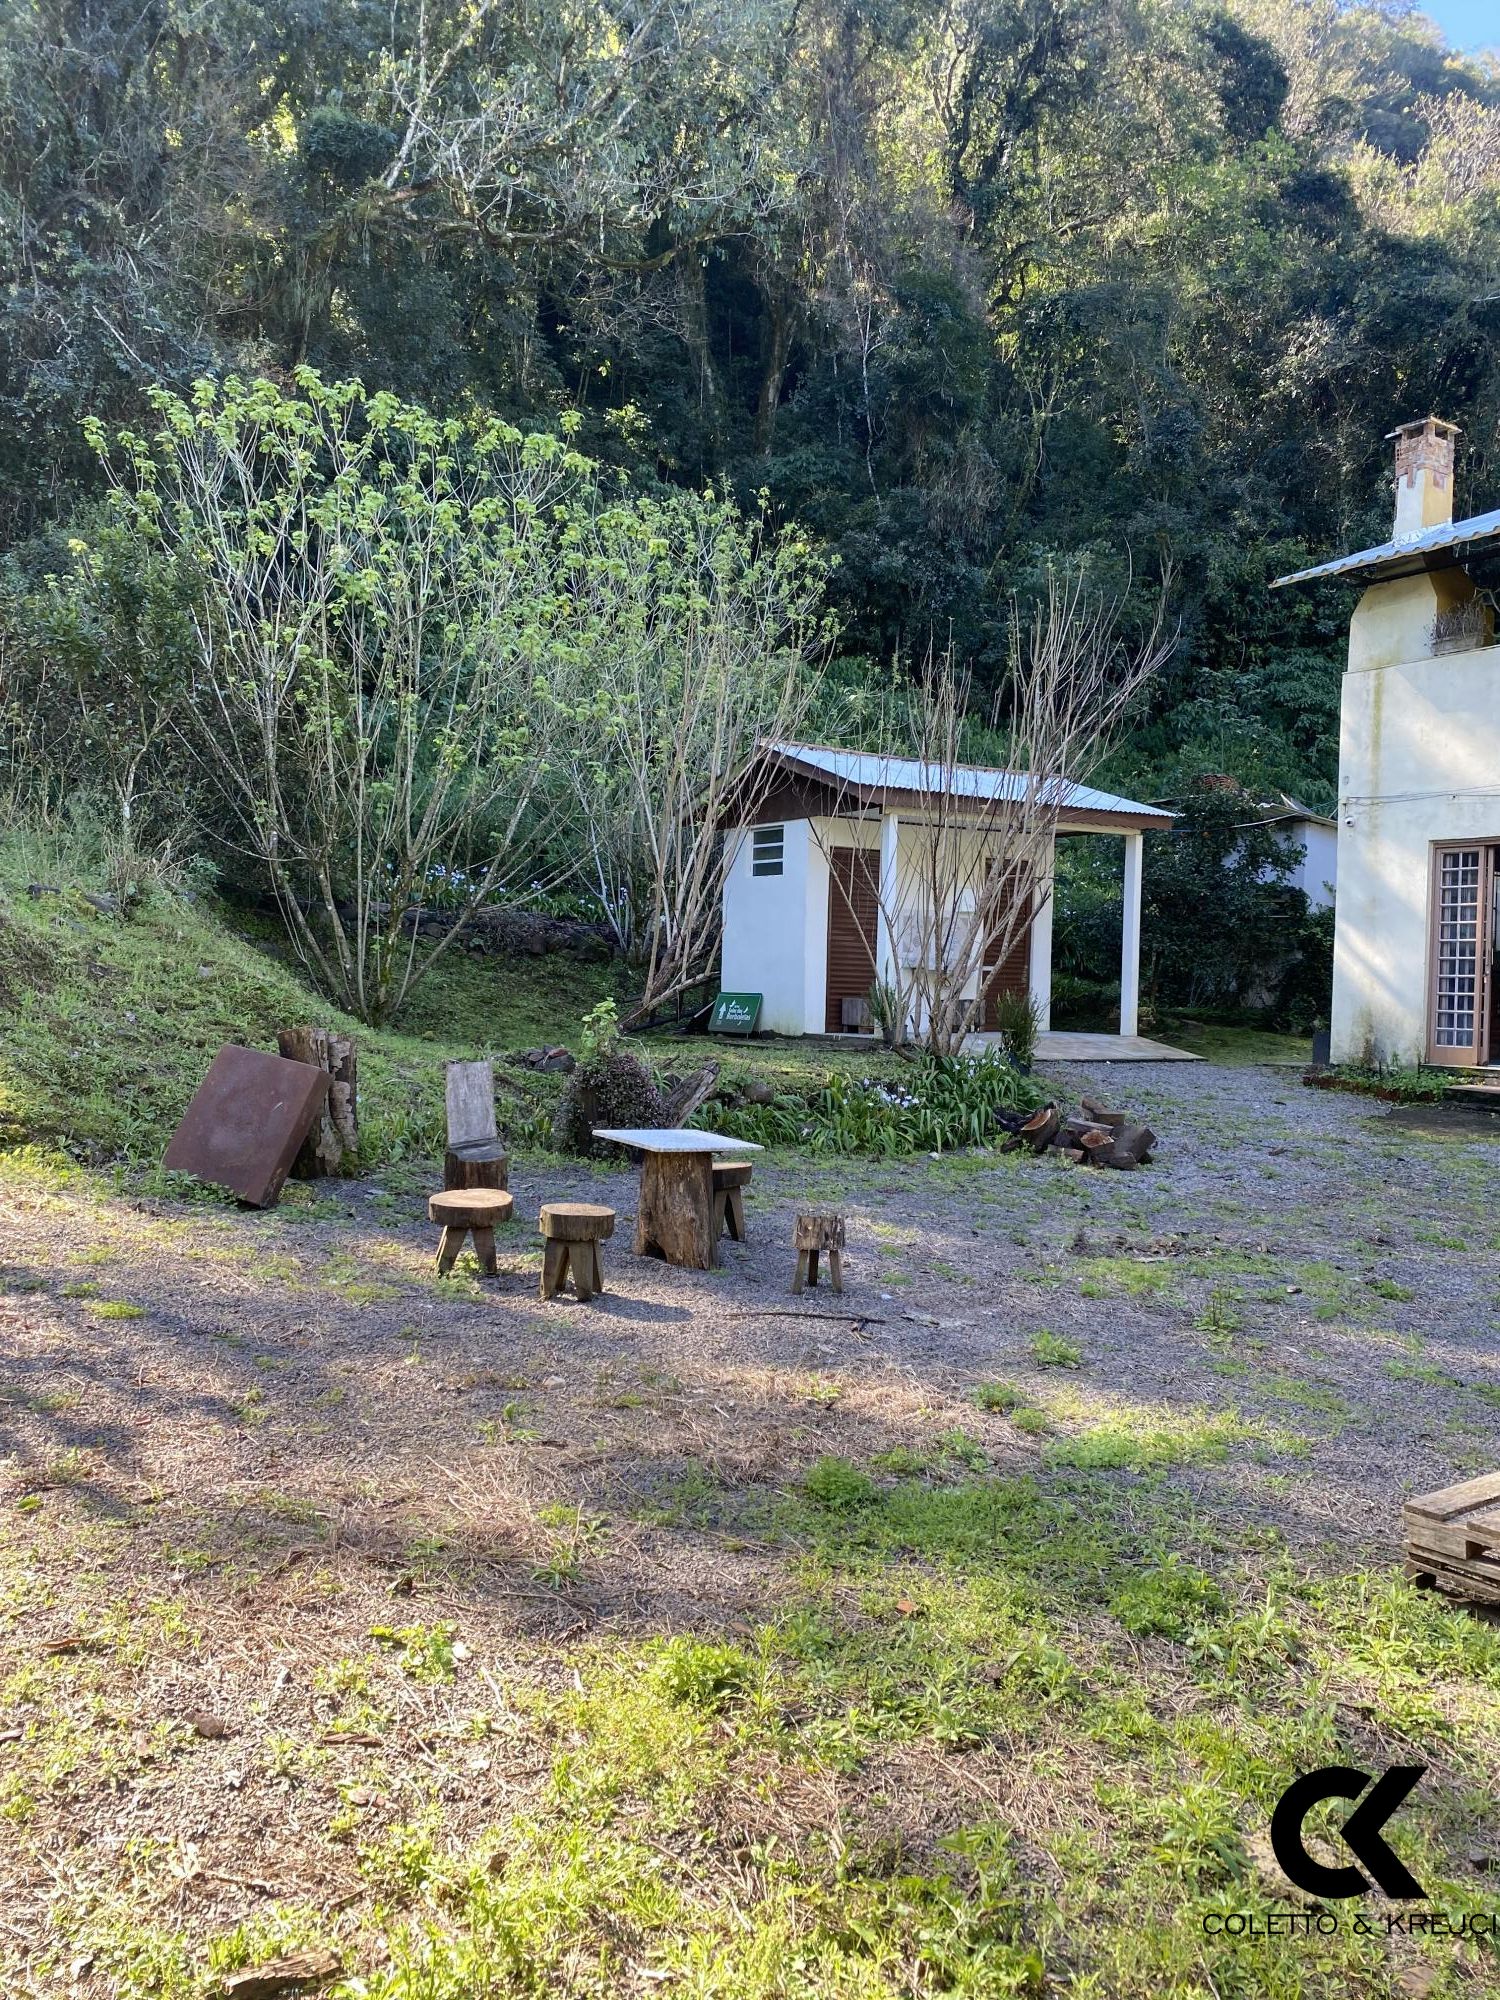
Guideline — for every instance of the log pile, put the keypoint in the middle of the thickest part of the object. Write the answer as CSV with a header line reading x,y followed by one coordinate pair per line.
x,y
1092,1136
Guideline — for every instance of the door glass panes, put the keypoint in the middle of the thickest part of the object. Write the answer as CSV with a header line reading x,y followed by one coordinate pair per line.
x,y
1457,948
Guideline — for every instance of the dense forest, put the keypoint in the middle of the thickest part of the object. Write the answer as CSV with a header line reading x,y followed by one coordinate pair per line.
x,y
957,289
941,297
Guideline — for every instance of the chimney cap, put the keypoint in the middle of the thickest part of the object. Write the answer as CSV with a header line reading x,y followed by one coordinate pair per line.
x,y
1418,425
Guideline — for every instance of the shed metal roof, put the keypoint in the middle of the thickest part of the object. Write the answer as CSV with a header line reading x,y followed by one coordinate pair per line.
x,y
868,772
1433,549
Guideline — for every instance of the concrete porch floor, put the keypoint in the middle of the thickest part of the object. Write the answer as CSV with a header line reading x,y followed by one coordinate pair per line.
x,y
1062,1045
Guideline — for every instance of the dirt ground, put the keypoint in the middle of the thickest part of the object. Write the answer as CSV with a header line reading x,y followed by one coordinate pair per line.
x,y
235,1445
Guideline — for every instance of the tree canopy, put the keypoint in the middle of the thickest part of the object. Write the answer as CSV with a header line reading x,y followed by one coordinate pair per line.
x,y
957,287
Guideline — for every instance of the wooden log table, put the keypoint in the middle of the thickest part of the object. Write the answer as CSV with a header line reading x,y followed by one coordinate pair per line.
x,y
675,1214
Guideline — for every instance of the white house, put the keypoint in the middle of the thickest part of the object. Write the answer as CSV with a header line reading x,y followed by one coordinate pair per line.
x,y
1416,925
808,908
1315,872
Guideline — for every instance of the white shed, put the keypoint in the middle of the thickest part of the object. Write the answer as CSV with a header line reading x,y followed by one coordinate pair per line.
x,y
806,924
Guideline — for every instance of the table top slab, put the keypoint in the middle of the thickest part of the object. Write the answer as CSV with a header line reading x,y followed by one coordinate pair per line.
x,y
676,1139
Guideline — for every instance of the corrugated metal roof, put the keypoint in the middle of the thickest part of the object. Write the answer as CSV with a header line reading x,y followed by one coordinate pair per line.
x,y
865,771
1407,557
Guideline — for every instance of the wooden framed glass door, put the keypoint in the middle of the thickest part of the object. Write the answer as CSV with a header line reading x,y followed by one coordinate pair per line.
x,y
1462,951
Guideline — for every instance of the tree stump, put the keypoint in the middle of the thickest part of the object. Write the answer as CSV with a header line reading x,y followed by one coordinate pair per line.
x,y
573,1231
731,1178
675,1219
336,1133
679,1105
811,1235
485,1164
469,1212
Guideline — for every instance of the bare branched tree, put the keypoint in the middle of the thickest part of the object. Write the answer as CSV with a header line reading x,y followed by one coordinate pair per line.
x,y
971,866
693,637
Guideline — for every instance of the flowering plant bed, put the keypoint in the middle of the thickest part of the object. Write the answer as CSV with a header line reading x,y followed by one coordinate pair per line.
x,y
935,1105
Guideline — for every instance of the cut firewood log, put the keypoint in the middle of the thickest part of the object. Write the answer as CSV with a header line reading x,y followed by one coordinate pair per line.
x,y
1040,1129
1073,1153
1133,1144
1074,1129
337,1130
1098,1115
1096,1145
680,1104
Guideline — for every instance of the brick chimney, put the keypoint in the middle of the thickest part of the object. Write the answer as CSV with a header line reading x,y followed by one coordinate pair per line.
x,y
1424,476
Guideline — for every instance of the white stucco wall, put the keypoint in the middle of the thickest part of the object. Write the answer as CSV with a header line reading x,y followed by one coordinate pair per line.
x,y
1317,872
1419,762
766,928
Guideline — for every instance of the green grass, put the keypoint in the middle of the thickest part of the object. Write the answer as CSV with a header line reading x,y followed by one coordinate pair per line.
x,y
812,1806
1236,1046
108,1023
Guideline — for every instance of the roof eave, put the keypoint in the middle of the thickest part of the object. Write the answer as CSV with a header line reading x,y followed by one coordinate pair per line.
x,y
1437,548
1130,816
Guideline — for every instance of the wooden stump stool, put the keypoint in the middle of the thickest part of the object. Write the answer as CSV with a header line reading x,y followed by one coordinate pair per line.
x,y
469,1212
574,1230
483,1163
730,1176
812,1234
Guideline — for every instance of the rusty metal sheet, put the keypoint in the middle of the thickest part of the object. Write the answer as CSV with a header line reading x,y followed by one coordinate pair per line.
x,y
246,1122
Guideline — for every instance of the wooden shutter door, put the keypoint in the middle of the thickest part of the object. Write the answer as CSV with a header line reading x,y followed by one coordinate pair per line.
x,y
853,913
1010,974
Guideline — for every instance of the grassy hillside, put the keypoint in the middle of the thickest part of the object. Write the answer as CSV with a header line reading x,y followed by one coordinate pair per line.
x,y
107,1023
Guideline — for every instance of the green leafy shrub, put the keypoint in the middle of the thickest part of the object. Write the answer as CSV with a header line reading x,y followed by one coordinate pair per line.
x,y
1050,1350
1167,1602
944,1103
1399,1083
839,1486
701,1674
1018,1022
612,1088
425,1653
999,1397
599,1033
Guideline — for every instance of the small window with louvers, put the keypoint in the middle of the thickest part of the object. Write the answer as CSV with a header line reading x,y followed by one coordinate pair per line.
x,y
767,849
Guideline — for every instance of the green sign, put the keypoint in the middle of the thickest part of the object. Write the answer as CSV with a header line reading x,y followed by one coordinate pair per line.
x,y
735,1014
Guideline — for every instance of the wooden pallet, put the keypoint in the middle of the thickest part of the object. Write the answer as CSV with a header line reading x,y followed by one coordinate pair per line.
x,y
1453,1538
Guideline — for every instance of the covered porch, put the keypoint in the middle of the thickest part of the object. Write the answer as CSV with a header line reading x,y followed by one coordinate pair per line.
x,y
825,896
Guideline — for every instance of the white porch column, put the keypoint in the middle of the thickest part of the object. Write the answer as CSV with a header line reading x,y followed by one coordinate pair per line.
x,y
885,943
1130,935
1041,944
